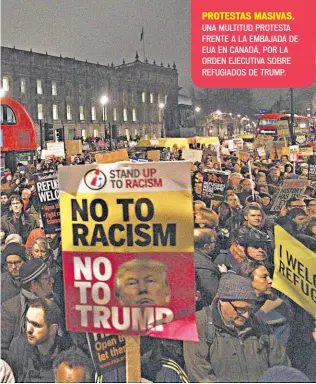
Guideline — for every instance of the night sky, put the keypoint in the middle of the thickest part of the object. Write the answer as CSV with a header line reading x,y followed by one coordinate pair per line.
x,y
106,31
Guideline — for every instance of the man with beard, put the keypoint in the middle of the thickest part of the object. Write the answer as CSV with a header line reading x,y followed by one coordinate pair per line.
x,y
230,347
32,355
12,259
17,221
4,204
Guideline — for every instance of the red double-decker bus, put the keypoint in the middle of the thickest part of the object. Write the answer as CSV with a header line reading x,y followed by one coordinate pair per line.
x,y
17,134
267,124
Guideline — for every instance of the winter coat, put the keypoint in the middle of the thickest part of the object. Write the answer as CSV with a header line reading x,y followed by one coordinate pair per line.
x,y
208,275
230,357
29,365
22,228
9,287
225,257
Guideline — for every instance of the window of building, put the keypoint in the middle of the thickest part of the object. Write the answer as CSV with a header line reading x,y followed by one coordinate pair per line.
x,y
124,94
69,112
40,113
166,97
54,88
55,112
83,133
39,88
104,113
134,115
114,114
93,113
158,98
124,114
96,133
151,98
81,113
23,86
5,84
144,97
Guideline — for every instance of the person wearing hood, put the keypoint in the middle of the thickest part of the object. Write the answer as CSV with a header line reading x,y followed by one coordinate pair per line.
x,y
12,259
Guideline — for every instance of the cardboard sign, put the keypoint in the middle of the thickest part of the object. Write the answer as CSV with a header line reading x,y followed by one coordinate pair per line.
x,y
238,144
293,152
117,229
295,270
290,188
47,189
214,185
73,147
56,149
243,156
261,152
192,155
153,155
283,128
305,151
264,141
312,168
107,351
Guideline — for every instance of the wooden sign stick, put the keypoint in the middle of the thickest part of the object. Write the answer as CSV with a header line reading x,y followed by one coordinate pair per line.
x,y
133,371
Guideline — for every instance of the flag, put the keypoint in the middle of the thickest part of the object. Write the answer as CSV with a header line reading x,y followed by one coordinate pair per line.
x,y
142,34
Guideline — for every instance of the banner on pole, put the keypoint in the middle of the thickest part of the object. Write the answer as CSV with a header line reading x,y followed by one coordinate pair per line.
x,y
123,247
47,189
295,270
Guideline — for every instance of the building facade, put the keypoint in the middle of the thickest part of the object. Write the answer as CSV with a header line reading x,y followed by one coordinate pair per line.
x,y
142,97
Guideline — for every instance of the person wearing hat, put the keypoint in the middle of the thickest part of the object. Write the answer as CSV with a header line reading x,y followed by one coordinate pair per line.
x,y
12,259
233,346
35,282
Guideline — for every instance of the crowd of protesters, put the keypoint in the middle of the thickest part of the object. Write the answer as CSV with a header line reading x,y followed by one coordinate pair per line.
x,y
248,331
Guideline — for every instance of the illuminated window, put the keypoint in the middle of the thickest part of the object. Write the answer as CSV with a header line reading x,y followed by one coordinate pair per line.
x,y
54,88
166,97
105,114
69,112
40,113
151,98
134,115
5,84
39,88
114,114
81,113
124,114
55,112
144,97
23,86
93,113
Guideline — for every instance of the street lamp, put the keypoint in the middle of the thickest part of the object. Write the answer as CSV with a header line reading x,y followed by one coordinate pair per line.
x,y
197,109
162,107
104,100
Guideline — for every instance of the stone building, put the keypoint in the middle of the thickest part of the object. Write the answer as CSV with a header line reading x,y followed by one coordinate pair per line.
x,y
142,97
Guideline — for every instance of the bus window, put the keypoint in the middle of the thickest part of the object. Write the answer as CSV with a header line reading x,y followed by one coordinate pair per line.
x,y
7,115
267,122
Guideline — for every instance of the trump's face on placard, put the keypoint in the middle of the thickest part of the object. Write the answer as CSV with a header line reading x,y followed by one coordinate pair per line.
x,y
142,282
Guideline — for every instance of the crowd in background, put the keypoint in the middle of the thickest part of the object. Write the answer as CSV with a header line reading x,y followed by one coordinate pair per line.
x,y
248,331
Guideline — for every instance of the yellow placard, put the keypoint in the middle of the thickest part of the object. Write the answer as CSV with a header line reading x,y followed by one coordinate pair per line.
x,y
153,155
104,222
104,158
305,151
73,147
295,270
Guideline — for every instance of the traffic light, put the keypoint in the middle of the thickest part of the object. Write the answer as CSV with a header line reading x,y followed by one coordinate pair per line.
x,y
60,134
49,132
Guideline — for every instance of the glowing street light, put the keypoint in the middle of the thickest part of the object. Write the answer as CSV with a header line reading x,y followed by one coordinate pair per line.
x,y
197,109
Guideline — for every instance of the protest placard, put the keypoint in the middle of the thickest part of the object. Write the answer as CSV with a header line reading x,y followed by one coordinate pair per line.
x,y
192,155
312,168
305,151
283,128
47,189
264,141
243,156
73,147
290,188
293,152
56,149
261,151
295,270
214,185
116,223
108,352
153,155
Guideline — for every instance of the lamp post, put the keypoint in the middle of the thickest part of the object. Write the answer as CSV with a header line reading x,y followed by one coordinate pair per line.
x,y
104,100
162,107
